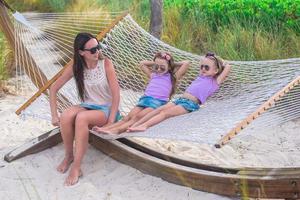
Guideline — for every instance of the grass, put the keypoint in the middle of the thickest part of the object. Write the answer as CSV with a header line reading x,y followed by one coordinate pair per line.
x,y
3,70
235,41
238,40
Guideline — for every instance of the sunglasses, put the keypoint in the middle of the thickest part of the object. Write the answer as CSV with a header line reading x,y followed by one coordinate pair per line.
x,y
158,67
93,50
205,67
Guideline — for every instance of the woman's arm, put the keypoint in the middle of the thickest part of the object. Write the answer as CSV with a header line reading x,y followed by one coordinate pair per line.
x,y
145,66
182,67
114,88
223,75
66,76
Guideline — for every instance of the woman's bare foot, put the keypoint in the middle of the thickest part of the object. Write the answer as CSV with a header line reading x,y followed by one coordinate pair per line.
x,y
73,177
65,164
137,129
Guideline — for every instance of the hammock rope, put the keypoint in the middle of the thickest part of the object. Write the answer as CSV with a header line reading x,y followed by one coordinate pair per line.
x,y
256,94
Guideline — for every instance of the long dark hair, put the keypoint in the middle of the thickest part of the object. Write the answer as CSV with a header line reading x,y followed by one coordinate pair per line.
x,y
79,62
171,68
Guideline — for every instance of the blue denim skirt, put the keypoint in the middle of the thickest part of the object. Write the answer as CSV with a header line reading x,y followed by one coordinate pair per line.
x,y
103,108
187,104
150,102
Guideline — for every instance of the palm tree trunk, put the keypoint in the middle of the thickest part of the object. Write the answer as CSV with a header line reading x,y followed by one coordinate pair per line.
x,y
156,18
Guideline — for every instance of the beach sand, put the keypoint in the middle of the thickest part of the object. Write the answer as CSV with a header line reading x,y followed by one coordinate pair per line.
x,y
268,148
35,177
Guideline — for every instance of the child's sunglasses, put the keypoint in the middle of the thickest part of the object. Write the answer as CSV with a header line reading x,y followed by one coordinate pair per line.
x,y
93,50
206,67
158,67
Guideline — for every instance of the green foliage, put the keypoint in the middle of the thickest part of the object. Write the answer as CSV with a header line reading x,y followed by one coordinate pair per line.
x,y
53,5
234,29
3,71
268,14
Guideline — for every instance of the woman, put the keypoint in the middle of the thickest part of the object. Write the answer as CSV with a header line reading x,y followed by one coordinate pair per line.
x,y
99,92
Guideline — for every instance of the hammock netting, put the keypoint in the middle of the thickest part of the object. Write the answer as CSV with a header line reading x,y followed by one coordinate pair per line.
x,y
48,39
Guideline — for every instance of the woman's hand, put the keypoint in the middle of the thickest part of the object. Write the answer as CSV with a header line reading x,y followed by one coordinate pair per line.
x,y
55,121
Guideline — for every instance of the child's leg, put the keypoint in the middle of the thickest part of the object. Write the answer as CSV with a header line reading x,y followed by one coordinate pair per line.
x,y
122,128
128,117
152,114
163,115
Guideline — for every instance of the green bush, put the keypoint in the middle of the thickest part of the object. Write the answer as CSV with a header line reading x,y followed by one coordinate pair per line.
x,y
269,14
3,71
234,29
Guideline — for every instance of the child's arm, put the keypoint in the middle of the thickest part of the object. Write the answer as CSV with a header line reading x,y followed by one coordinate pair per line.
x,y
182,67
145,66
224,74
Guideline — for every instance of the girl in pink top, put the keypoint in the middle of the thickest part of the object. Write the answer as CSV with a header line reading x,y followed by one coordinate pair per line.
x,y
213,72
163,73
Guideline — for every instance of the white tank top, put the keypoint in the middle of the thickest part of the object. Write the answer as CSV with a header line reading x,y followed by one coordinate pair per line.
x,y
96,88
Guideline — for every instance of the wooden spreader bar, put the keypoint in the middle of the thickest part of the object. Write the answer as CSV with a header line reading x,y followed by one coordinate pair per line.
x,y
263,108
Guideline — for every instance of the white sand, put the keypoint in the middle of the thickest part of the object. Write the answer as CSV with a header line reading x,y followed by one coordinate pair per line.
x,y
35,177
273,147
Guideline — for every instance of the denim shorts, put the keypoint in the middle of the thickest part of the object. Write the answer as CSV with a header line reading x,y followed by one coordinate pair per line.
x,y
150,102
103,108
187,104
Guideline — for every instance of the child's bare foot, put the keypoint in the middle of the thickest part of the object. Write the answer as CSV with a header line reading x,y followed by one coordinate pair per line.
x,y
99,129
73,177
65,164
137,129
110,132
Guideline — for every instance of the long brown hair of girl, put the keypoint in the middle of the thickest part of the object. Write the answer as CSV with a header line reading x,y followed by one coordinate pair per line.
x,y
171,68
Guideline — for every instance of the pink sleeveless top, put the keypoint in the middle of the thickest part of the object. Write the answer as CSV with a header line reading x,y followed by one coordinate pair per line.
x,y
159,86
203,87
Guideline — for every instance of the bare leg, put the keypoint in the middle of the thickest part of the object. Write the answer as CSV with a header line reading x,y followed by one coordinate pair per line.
x,y
122,128
163,115
131,114
153,113
67,122
82,123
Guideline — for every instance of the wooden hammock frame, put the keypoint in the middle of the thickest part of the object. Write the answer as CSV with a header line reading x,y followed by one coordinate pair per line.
x,y
235,182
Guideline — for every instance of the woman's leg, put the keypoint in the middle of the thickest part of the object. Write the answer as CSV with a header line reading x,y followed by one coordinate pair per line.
x,y
122,128
163,115
84,120
127,118
67,123
153,113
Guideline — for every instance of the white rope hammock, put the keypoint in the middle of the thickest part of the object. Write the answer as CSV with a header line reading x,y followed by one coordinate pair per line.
x,y
249,85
